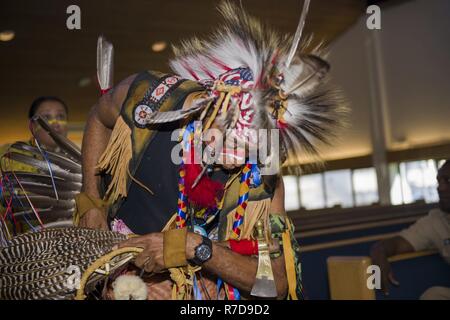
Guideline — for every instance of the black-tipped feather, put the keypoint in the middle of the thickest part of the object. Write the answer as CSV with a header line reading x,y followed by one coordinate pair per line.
x,y
47,215
28,177
43,190
39,201
42,166
55,158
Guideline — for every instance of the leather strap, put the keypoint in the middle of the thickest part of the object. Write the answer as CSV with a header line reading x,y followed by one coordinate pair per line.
x,y
174,250
84,203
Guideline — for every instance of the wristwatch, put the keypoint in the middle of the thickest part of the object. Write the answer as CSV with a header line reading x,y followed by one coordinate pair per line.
x,y
203,252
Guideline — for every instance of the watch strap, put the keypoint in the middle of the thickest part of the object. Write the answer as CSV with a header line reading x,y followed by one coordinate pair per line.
x,y
196,260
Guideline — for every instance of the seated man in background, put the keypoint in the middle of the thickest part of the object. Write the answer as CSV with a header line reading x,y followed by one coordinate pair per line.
x,y
429,232
54,111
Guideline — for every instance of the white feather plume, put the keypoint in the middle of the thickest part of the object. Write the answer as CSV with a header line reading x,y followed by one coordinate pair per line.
x,y
105,60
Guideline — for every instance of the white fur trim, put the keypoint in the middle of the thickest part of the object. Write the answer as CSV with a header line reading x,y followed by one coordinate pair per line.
x,y
129,287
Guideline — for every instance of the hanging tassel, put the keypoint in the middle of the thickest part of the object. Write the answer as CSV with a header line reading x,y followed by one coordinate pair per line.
x,y
215,112
222,103
115,160
179,287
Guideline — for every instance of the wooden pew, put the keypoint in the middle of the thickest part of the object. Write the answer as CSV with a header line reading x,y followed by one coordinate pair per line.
x,y
348,275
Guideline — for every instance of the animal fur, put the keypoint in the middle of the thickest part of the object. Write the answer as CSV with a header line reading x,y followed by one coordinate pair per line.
x,y
129,287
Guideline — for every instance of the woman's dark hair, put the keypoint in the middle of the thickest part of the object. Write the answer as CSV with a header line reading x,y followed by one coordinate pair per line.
x,y
38,101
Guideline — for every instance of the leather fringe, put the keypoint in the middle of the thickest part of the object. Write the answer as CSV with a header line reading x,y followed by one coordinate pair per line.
x,y
115,160
255,211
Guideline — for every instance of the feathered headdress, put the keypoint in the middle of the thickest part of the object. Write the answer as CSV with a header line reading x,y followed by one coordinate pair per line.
x,y
262,80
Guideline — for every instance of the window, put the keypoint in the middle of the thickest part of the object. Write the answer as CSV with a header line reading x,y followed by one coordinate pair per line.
x,y
312,192
397,194
365,186
413,181
291,196
338,188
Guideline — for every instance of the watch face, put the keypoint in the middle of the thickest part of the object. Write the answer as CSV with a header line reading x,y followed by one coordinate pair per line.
x,y
203,252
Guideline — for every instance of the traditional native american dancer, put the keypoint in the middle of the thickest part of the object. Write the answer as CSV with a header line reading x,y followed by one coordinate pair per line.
x,y
209,229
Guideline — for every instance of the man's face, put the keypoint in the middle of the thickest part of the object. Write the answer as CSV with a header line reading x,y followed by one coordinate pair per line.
x,y
233,147
232,151
55,113
443,179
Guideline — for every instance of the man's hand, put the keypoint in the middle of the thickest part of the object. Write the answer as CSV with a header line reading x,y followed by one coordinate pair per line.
x,y
380,253
380,258
151,259
95,219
